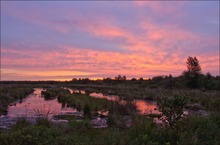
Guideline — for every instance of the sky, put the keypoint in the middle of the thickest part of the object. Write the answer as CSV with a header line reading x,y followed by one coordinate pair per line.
x,y
61,40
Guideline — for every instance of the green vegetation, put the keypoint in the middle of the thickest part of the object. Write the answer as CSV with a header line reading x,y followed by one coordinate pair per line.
x,y
79,101
191,130
53,92
91,105
11,93
172,108
196,130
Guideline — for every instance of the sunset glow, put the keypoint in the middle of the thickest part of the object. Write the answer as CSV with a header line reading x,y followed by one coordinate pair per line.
x,y
54,40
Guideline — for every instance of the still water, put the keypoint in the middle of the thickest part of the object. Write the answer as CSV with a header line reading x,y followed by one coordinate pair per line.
x,y
36,105
144,107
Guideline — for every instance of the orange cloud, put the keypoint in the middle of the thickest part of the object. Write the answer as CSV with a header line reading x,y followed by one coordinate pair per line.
x,y
157,50
73,61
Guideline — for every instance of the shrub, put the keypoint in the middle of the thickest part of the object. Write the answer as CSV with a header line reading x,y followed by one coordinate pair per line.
x,y
172,108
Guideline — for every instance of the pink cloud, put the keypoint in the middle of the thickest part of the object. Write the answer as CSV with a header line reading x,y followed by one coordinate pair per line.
x,y
85,59
150,51
102,63
157,50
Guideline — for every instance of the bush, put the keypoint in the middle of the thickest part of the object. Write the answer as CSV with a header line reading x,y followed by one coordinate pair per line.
x,y
172,108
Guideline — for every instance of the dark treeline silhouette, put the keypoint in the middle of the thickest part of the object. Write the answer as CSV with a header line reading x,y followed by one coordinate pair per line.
x,y
192,78
205,81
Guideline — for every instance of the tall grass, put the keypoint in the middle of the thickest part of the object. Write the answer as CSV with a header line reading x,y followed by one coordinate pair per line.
x,y
44,111
192,130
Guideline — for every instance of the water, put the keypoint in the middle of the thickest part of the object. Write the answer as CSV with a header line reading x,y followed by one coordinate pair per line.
x,y
144,107
75,90
35,105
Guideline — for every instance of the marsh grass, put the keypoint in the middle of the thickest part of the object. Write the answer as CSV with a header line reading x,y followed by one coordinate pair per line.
x,y
12,92
43,111
196,130
78,101
21,123
191,130
91,105
44,122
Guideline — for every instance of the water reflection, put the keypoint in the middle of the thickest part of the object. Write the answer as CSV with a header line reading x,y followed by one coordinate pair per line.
x,y
145,107
100,95
35,105
75,91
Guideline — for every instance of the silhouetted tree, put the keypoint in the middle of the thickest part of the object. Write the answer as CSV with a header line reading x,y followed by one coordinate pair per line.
x,y
193,66
141,79
107,80
193,72
85,80
158,78
74,79
120,78
208,75
133,79
124,78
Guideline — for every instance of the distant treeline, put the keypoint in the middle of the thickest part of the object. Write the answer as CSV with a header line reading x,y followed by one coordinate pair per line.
x,y
192,78
207,82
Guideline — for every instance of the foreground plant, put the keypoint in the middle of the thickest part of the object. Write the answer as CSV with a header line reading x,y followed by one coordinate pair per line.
x,y
172,108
